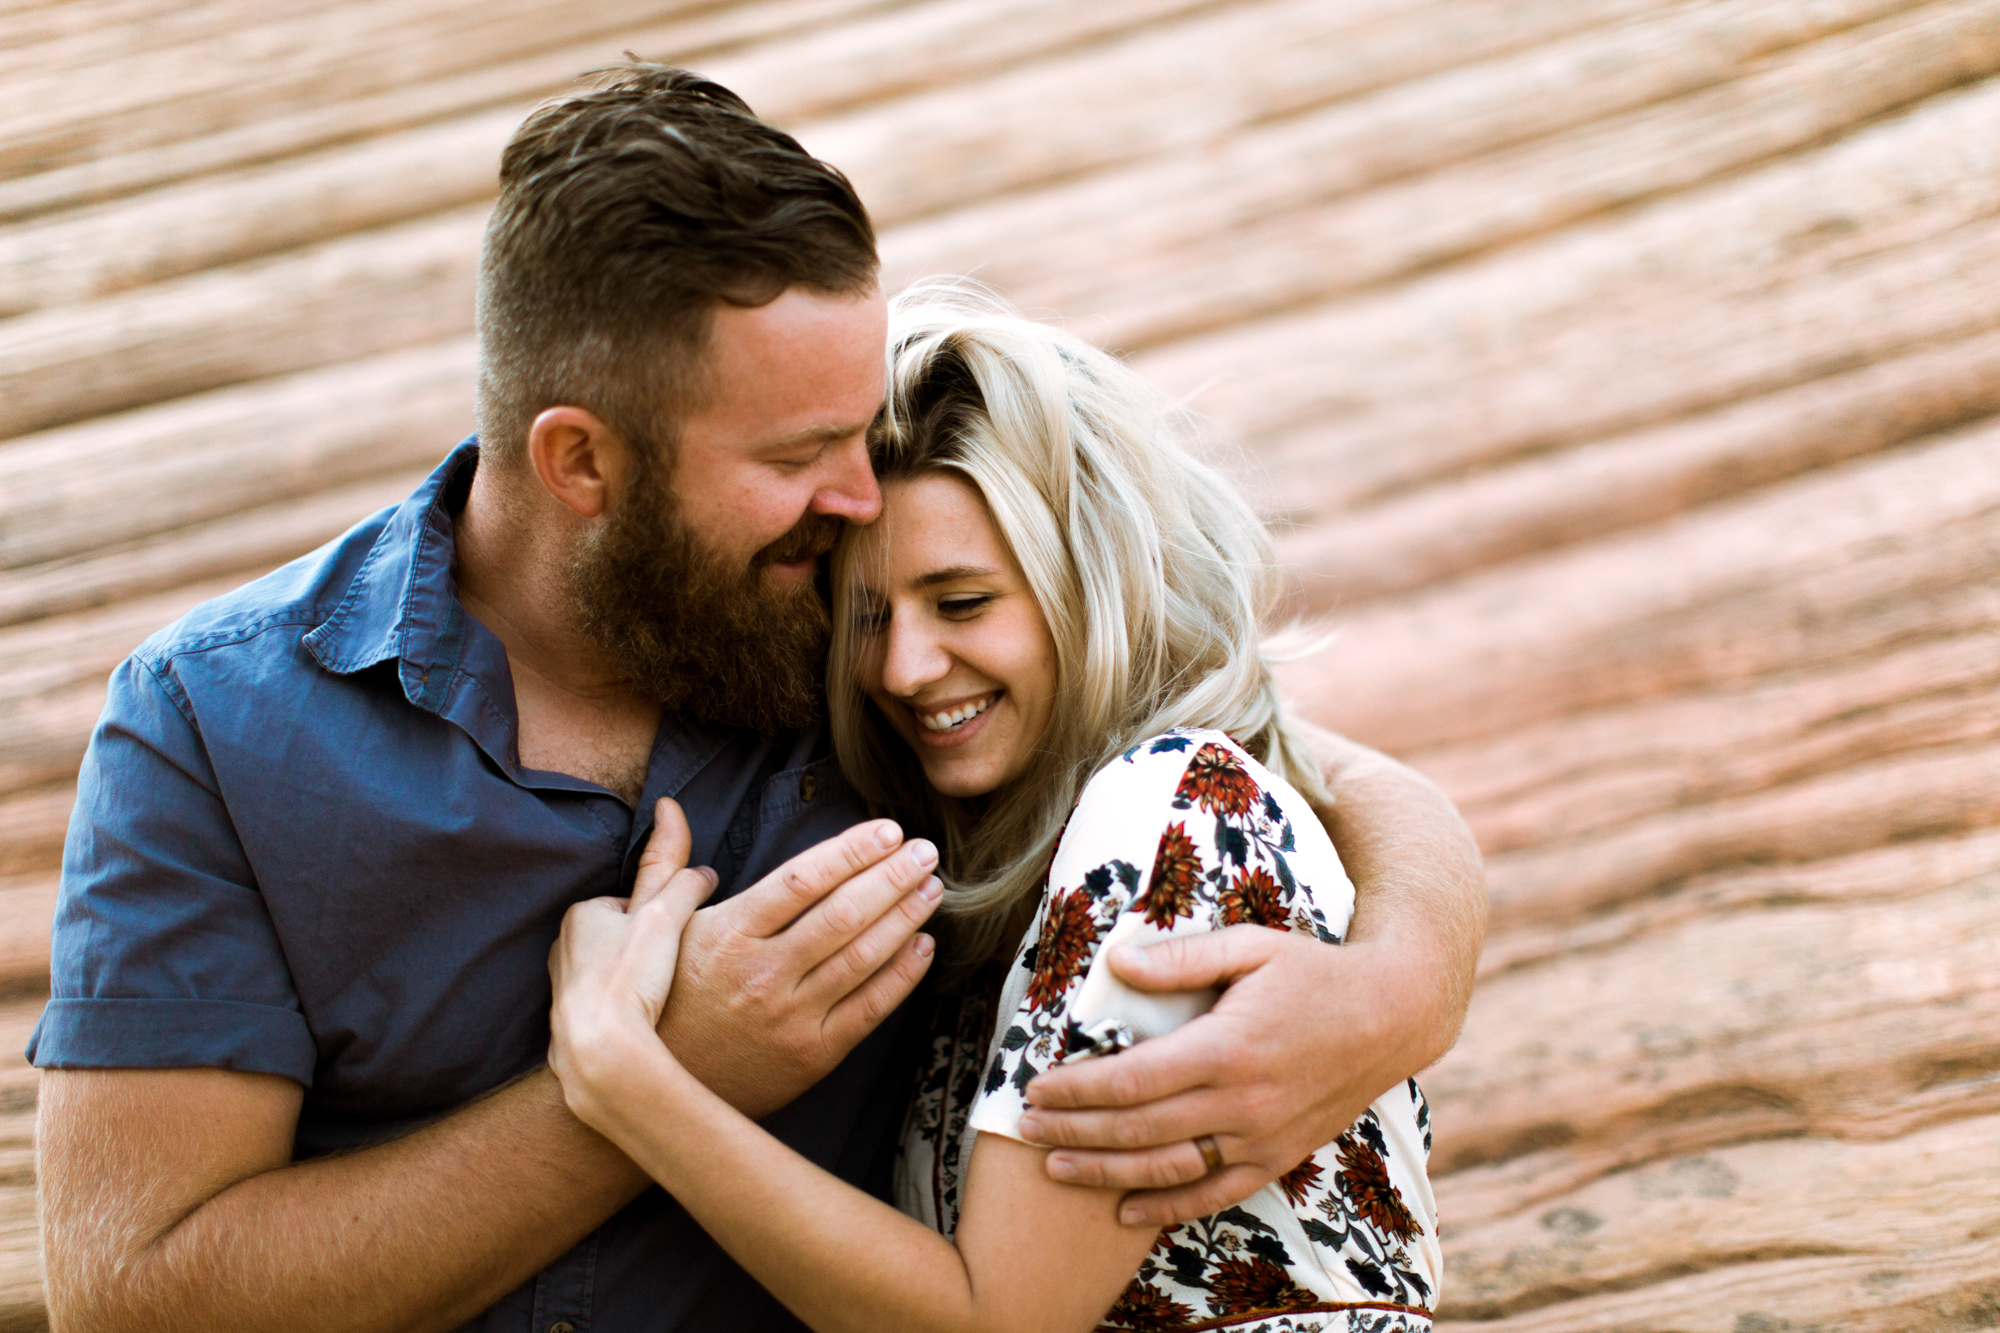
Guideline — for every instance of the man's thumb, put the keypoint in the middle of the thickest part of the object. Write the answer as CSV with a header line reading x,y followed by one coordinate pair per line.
x,y
1190,962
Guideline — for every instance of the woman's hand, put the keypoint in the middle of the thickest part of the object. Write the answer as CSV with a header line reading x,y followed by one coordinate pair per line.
x,y
613,966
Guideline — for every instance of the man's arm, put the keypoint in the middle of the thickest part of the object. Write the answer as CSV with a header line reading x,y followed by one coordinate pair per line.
x,y
1306,1035
170,1201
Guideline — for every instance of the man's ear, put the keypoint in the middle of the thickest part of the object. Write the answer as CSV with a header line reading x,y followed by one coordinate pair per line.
x,y
578,458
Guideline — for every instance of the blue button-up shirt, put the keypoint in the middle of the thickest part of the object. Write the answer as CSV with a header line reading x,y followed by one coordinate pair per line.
x,y
304,844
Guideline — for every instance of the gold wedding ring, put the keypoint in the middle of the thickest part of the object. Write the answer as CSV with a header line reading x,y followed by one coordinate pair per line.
x,y
1210,1153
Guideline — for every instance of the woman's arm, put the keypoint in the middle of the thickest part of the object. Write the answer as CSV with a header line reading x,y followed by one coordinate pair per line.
x,y
1031,1255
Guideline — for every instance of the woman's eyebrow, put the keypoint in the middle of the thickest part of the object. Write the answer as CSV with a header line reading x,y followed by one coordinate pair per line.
x,y
953,573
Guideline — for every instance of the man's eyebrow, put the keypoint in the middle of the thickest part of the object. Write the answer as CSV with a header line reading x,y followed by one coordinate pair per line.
x,y
953,573
817,435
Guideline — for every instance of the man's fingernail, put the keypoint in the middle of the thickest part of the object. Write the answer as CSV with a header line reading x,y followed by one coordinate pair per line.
x,y
922,853
1131,1216
1030,1128
932,890
1061,1167
887,834
924,946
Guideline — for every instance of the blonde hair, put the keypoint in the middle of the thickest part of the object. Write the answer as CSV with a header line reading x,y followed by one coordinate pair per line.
x,y
1152,572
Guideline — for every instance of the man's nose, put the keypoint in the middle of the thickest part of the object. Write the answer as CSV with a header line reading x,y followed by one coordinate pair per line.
x,y
848,490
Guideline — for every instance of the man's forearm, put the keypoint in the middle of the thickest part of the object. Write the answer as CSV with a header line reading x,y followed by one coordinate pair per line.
x,y
1420,890
421,1233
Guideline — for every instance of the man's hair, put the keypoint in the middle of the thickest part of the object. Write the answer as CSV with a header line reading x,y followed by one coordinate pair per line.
x,y
626,213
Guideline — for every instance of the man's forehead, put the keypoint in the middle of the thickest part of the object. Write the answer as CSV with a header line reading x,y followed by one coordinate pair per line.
x,y
802,366
800,325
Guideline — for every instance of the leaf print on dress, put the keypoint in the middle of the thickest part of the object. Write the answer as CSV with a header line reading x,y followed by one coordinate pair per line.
x,y
1176,878
1069,938
1364,1179
1218,784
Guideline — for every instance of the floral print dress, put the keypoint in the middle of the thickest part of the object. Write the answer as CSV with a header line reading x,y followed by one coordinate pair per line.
x,y
1182,834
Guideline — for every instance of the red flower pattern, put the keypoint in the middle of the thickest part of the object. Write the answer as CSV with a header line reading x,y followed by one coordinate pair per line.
x,y
1145,1308
1218,784
1254,896
1069,935
1364,1178
1298,1180
1252,1284
1176,876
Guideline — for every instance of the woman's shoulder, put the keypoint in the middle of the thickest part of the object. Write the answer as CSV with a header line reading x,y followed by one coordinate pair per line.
x,y
1190,768
1194,814
1136,790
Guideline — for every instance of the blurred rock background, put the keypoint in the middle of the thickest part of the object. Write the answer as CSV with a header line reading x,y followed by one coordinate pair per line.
x,y
1623,375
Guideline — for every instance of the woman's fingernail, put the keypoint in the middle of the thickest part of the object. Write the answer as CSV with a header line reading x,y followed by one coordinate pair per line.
x,y
933,889
925,944
922,853
1030,1129
1131,1217
887,834
1061,1167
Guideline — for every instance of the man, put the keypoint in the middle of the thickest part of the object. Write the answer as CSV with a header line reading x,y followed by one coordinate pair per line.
x,y
328,824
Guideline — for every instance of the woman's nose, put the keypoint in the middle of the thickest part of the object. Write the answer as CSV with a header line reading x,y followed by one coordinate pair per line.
x,y
912,659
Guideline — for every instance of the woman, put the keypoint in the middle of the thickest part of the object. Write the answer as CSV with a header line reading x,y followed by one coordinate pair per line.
x,y
1045,657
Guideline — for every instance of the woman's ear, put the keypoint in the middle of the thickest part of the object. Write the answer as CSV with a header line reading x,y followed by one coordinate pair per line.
x,y
578,458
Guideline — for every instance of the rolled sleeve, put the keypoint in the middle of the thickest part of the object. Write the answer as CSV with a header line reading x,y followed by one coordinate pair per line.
x,y
163,952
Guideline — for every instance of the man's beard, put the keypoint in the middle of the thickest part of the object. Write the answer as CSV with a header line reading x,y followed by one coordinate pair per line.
x,y
711,642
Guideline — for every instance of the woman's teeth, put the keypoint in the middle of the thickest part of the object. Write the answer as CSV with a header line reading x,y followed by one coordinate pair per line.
x,y
956,717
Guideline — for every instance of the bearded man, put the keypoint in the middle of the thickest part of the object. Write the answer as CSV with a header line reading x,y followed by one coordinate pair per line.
x,y
329,823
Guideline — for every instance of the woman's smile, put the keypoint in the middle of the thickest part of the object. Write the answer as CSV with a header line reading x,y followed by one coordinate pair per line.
x,y
957,719
954,649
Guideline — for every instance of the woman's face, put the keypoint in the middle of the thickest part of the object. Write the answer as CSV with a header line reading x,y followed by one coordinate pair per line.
x,y
953,649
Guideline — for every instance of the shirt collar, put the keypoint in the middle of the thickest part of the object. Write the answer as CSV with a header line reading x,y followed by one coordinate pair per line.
x,y
403,606
402,603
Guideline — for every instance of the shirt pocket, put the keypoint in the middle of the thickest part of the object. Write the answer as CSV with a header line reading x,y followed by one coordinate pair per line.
x,y
797,808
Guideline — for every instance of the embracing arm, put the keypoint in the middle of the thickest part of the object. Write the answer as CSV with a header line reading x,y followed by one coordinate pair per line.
x,y
1420,897
1306,1035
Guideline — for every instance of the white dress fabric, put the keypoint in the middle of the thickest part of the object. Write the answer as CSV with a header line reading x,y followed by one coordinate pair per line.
x,y
1186,833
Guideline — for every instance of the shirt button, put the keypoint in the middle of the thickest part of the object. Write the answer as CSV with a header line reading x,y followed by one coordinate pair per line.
x,y
808,787
562,1326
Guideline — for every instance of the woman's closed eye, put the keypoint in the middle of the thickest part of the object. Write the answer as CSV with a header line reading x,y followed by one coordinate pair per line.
x,y
964,604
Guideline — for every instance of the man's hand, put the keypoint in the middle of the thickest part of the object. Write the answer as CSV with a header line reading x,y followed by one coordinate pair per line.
x,y
775,986
1306,1035
1293,1051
